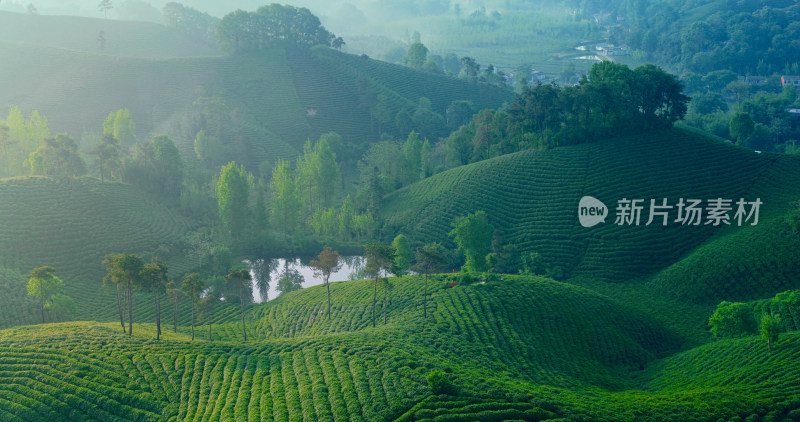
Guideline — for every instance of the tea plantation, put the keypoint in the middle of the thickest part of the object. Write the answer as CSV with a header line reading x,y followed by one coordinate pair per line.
x,y
520,348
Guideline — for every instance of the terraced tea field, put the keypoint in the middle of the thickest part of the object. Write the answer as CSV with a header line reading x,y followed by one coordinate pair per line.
x,y
71,224
520,348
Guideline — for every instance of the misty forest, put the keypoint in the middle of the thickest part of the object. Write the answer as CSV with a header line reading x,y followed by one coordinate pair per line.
x,y
417,210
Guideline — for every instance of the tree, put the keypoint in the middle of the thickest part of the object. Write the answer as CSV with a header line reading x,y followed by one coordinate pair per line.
x,y
125,271
57,157
193,286
239,278
770,329
105,6
318,176
156,166
107,156
416,56
380,260
732,320
154,276
233,190
429,258
273,25
44,285
206,309
741,127
473,235
120,124
327,262
403,255
285,202
175,294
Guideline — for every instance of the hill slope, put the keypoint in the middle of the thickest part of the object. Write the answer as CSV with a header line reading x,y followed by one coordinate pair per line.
x,y
532,199
515,349
71,224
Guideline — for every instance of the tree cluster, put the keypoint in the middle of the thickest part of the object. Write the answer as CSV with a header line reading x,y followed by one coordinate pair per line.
x,y
270,26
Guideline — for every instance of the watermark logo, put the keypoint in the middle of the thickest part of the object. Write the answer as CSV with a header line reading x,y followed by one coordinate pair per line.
x,y
591,211
686,212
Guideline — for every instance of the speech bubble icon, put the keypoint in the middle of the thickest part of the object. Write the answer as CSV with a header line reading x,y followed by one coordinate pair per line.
x,y
591,211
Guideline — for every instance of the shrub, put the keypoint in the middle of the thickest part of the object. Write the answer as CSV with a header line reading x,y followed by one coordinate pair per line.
x,y
440,383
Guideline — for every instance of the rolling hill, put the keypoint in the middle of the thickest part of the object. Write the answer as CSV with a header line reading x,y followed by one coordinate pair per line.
x,y
277,98
517,348
71,224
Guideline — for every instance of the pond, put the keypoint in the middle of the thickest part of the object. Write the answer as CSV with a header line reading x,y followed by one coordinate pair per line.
x,y
299,267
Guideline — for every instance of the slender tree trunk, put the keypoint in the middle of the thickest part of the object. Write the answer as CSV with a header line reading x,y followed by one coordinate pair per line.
x,y
175,316
374,299
241,302
130,311
192,320
119,308
385,299
425,298
42,294
329,296
158,314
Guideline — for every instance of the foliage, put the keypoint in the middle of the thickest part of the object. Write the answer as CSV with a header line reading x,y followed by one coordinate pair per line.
x,y
156,166
19,138
192,286
58,157
107,157
44,285
272,25
380,262
239,278
120,125
440,383
403,255
290,280
233,190
285,210
125,272
190,21
770,329
327,262
473,235
416,56
732,320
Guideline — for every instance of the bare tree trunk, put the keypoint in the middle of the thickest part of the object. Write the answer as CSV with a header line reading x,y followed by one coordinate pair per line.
x,y
241,302
119,308
130,310
374,299
329,296
175,316
425,300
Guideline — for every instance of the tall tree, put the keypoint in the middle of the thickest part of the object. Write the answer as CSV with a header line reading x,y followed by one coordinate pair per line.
x,y
193,287
120,124
107,156
318,176
285,202
206,309
154,276
156,166
416,56
327,262
770,329
239,278
57,157
429,258
233,190
403,255
473,235
44,285
125,270
380,261
105,6
175,294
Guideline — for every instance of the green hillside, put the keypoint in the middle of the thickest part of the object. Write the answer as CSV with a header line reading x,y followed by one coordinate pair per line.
x,y
519,348
124,39
275,99
71,224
